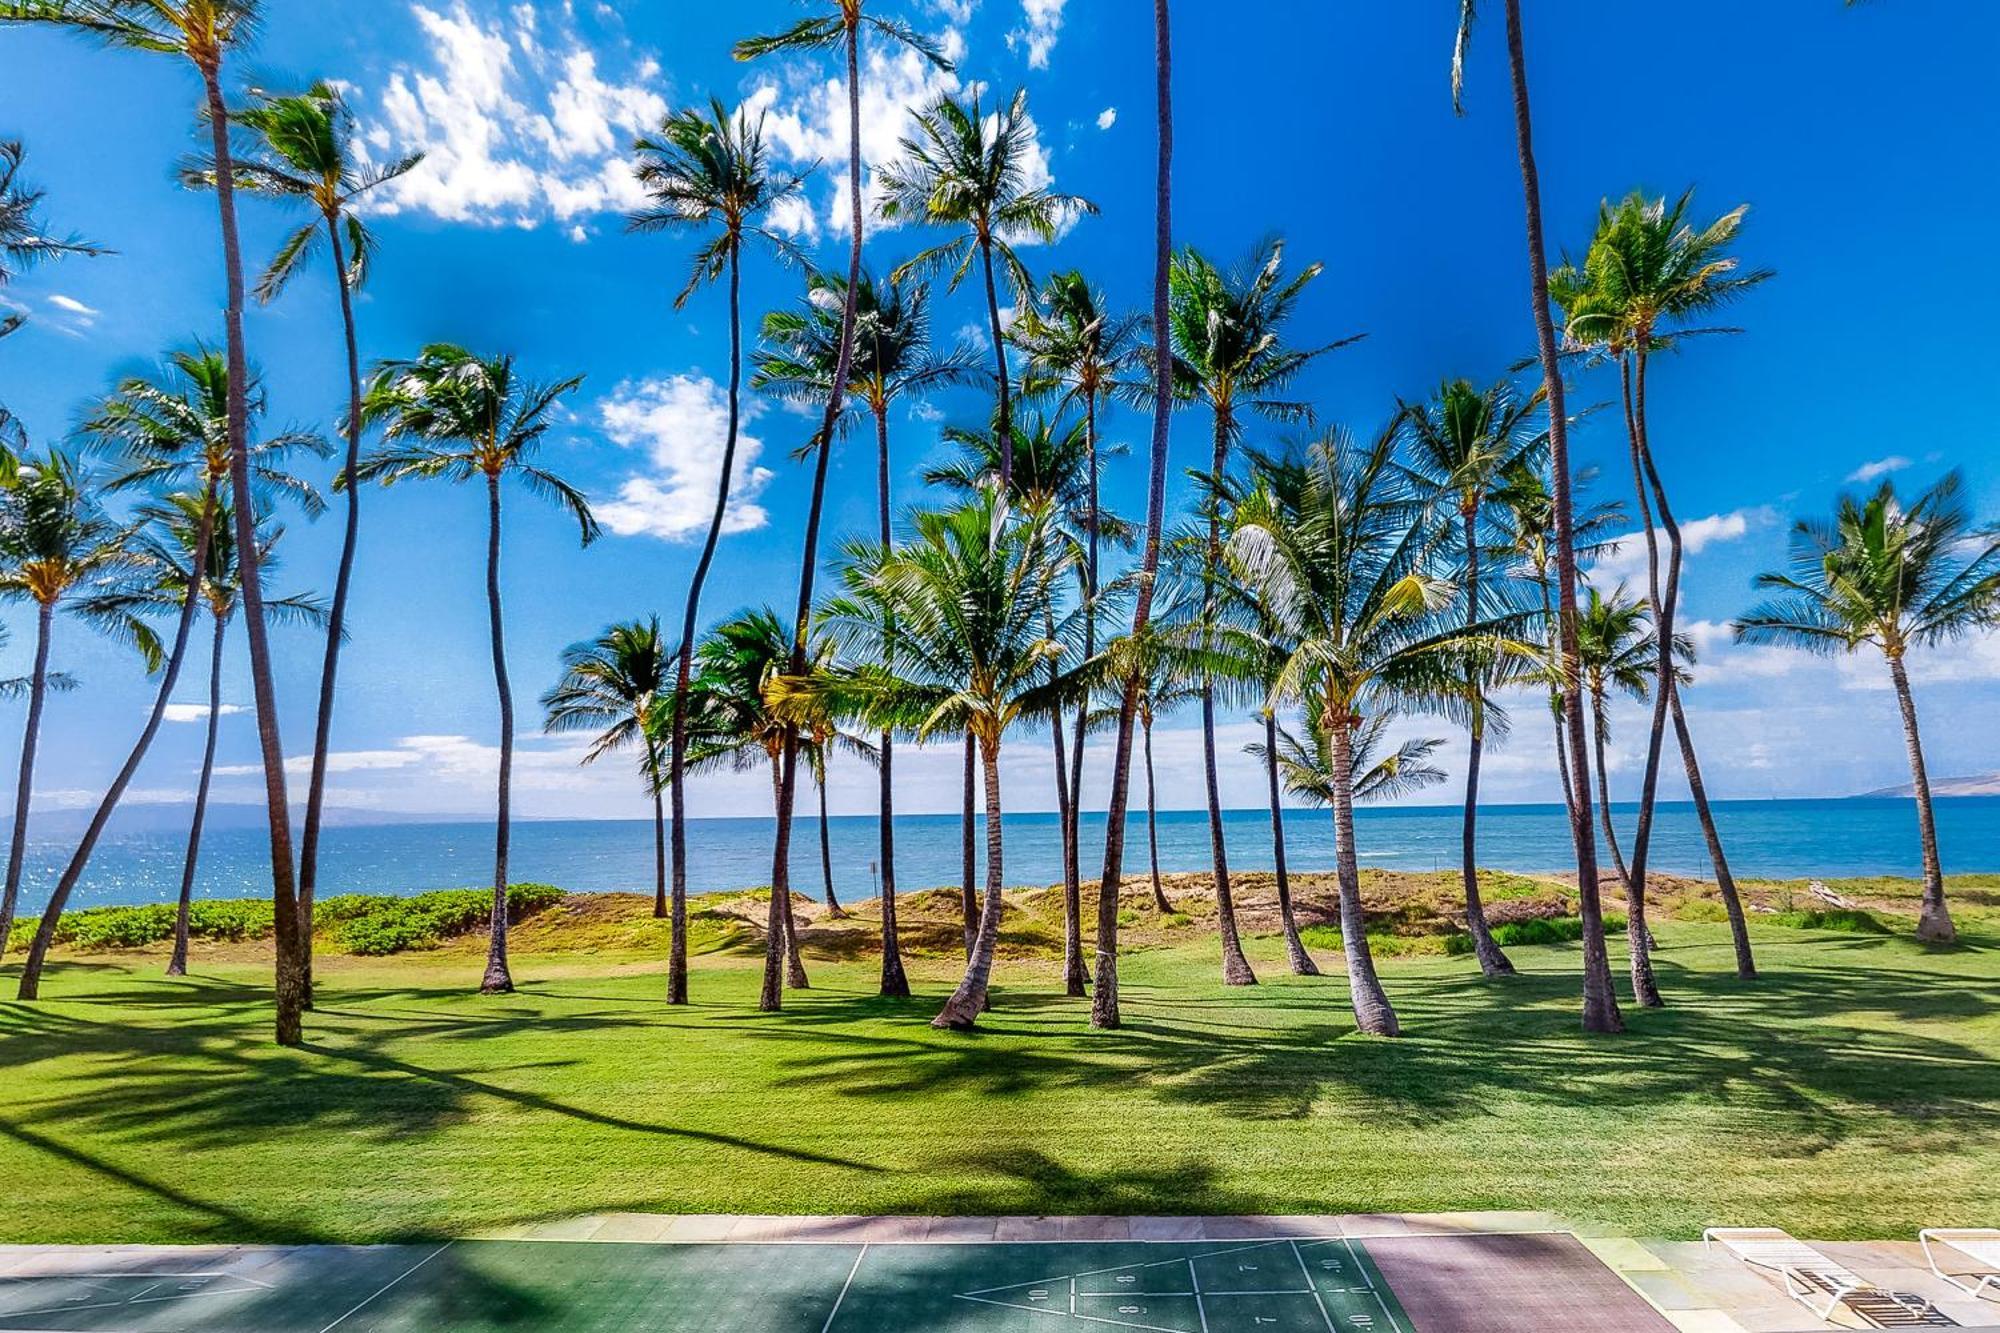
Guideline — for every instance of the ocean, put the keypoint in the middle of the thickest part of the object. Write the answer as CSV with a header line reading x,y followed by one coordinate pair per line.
x,y
1765,839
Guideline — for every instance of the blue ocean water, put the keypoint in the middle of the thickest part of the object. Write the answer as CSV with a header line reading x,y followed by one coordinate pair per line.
x,y
1763,838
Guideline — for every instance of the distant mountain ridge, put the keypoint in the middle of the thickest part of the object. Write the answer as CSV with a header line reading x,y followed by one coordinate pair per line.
x,y
1982,784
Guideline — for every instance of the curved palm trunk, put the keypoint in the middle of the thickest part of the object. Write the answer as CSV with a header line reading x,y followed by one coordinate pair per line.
x,y
677,967
1638,938
1492,961
833,908
24,787
1725,882
336,621
1072,832
771,997
1153,820
962,1010
498,980
1600,1003
1104,1012
290,977
1075,979
1006,413
895,981
659,831
1295,950
1235,967
968,813
177,965
1604,787
45,932
1934,925
1372,1011
1556,695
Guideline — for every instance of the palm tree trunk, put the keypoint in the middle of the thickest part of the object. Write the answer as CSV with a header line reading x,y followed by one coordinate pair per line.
x,y
1295,950
962,1010
1600,1004
826,852
1104,1011
968,884
1556,696
1492,961
1075,979
1153,820
1005,418
1598,728
1372,1011
1073,826
1235,967
498,980
895,981
1725,883
1638,939
659,843
1934,925
290,974
177,965
677,967
336,621
45,932
24,787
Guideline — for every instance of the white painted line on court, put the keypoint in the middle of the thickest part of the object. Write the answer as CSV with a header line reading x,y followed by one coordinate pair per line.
x,y
843,1290
386,1285
1200,1310
1314,1287
1395,1325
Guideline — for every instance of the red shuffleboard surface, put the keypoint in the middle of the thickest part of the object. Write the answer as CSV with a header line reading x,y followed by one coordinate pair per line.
x,y
1544,1283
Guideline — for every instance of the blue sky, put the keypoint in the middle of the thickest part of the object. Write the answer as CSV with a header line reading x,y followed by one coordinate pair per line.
x,y
1863,139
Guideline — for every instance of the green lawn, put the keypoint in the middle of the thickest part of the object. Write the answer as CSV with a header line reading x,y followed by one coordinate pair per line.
x,y
1854,1091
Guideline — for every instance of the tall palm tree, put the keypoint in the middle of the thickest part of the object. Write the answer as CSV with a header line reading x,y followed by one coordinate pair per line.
x,y
972,590
1227,350
1616,648
1104,1008
1072,349
1896,575
967,168
1600,1004
1647,273
452,416
1307,763
55,540
1461,444
611,685
300,151
1332,544
204,32
706,171
161,569
24,242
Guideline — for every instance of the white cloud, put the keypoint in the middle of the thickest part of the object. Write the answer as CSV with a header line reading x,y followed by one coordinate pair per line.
x,y
1107,118
1880,467
681,424
72,305
1627,564
198,712
515,126
1042,22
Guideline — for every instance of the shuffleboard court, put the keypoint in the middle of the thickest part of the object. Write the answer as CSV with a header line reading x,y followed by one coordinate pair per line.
x,y
1291,1285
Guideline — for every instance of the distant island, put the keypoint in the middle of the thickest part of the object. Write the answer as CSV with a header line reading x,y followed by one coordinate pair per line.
x,y
1982,784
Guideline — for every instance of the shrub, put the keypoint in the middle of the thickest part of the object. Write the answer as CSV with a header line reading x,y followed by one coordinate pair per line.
x,y
1535,930
135,926
381,924
1705,910
1834,918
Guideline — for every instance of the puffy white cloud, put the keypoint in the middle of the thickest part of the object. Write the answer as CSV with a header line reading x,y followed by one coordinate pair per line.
x,y
199,712
515,125
1880,467
680,423
1107,118
1627,564
1042,22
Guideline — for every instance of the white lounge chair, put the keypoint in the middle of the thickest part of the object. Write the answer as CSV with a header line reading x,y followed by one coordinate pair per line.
x,y
1979,1244
1821,1284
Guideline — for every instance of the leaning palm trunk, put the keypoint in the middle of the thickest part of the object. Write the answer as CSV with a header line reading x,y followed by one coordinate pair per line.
x,y
1153,822
45,932
1600,1003
497,979
895,981
38,690
336,621
177,965
1075,974
1372,1010
833,909
968,883
677,978
1492,962
1638,939
1005,418
1732,901
1075,978
1104,999
1604,789
1235,967
1934,925
962,1010
1301,962
290,971
659,831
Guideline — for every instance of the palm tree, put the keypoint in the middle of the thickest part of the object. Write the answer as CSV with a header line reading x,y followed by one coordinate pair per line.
x,y
1331,543
453,416
204,32
1307,764
24,242
1617,649
966,168
611,684
1646,274
1104,1011
707,171
1461,445
1600,1004
1896,575
972,590
161,571
301,152
1227,350
55,539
